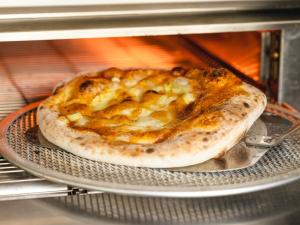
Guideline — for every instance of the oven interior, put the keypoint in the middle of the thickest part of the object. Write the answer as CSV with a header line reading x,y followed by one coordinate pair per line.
x,y
30,69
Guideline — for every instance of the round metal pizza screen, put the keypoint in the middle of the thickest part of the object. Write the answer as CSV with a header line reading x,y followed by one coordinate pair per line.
x,y
280,165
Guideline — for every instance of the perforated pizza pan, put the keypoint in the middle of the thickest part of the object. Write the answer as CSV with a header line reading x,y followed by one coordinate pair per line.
x,y
281,164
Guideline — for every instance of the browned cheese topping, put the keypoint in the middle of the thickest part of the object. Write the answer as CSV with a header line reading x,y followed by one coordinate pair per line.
x,y
145,106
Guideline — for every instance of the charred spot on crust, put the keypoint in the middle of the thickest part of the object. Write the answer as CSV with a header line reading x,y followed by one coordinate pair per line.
x,y
187,111
204,73
218,73
149,150
79,138
41,107
85,85
205,139
246,105
178,71
243,114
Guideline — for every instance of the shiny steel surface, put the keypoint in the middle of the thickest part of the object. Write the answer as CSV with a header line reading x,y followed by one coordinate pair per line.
x,y
280,165
269,141
15,183
33,3
278,206
289,79
17,29
123,8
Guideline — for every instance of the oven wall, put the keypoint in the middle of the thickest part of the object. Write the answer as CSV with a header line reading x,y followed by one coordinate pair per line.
x,y
289,79
240,50
29,70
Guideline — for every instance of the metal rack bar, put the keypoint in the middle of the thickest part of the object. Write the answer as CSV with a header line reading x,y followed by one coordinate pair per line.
x,y
61,27
15,183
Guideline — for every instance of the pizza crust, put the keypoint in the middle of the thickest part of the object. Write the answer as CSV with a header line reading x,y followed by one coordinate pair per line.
x,y
188,148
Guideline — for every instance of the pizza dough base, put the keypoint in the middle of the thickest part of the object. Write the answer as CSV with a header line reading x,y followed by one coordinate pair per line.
x,y
193,147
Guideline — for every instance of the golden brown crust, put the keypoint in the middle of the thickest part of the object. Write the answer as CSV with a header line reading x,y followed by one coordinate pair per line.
x,y
151,118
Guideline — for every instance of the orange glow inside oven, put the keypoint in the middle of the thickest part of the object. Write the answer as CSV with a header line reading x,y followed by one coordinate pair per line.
x,y
31,69
241,50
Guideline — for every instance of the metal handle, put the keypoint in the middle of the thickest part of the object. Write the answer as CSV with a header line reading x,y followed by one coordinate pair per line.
x,y
269,141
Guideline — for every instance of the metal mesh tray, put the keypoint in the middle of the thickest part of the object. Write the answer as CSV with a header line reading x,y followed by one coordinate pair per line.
x,y
281,164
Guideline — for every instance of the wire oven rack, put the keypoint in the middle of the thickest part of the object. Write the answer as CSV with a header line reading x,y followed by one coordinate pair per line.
x,y
280,201
15,183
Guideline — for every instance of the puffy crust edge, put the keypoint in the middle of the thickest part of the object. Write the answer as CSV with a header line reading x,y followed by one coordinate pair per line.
x,y
189,148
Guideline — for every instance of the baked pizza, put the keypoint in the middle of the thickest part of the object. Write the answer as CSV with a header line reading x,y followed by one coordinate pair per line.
x,y
151,118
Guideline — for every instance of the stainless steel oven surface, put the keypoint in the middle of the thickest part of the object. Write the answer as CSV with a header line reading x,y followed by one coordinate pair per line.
x,y
42,44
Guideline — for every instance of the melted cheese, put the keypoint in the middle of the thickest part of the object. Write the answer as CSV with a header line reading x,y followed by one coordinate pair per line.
x,y
145,106
146,123
188,98
74,116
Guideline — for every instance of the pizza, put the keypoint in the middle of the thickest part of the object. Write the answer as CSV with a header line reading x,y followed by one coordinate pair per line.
x,y
151,118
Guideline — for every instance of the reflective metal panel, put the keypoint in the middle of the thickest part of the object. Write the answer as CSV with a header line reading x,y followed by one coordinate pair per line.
x,y
289,83
140,25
